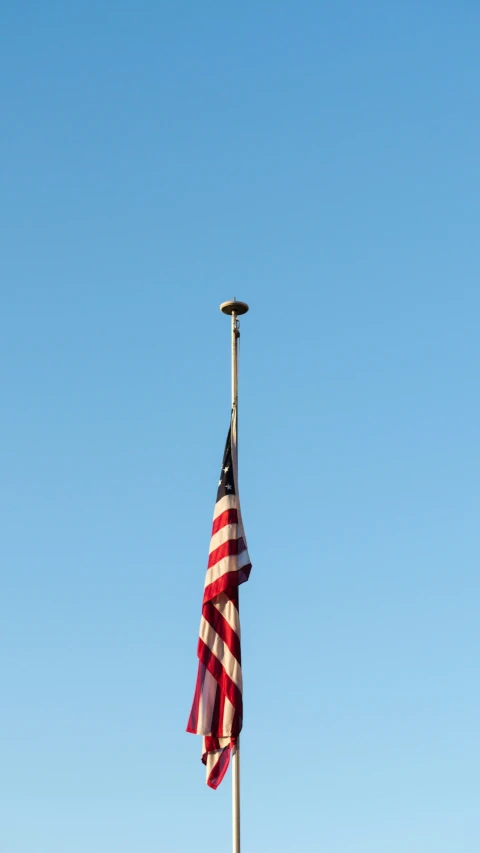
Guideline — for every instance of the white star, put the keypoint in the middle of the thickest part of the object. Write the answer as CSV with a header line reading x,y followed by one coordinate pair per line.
x,y
219,482
227,486
227,469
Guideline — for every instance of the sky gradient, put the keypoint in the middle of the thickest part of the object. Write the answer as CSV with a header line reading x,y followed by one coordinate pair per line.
x,y
319,161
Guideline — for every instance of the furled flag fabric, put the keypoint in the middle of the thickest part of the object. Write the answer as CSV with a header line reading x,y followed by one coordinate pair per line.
x,y
217,704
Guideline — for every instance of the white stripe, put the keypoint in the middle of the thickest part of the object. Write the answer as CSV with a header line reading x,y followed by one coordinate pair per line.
x,y
232,563
207,702
228,611
227,502
230,531
212,758
228,715
222,652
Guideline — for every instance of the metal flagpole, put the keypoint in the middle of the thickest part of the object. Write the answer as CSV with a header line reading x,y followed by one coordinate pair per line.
x,y
235,308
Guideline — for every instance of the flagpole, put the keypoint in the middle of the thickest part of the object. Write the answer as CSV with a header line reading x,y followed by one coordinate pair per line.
x,y
235,308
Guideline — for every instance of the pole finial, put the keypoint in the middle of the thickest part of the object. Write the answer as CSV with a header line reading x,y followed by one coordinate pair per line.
x,y
233,306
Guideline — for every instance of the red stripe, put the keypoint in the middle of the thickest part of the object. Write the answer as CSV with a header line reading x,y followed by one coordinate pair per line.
x,y
226,549
192,724
223,629
237,721
225,683
226,582
233,595
230,516
219,769
211,745
218,706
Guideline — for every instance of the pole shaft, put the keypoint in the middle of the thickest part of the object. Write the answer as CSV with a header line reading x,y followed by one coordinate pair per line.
x,y
236,751
236,797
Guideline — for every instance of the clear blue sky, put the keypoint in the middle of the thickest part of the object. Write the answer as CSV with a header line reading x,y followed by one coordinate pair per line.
x,y
320,161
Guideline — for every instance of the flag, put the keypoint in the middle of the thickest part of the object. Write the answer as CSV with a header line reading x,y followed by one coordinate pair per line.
x,y
217,708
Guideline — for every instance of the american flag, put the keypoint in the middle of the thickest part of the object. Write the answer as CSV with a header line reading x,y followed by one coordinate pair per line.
x,y
217,708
